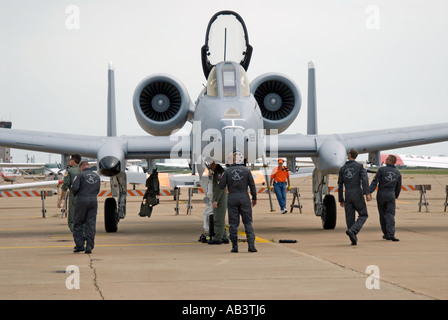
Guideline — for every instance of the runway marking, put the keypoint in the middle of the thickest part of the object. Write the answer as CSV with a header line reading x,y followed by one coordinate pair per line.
x,y
106,245
146,244
22,229
257,239
70,236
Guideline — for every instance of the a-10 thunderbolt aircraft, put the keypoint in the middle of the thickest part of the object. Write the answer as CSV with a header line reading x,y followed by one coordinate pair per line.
x,y
230,115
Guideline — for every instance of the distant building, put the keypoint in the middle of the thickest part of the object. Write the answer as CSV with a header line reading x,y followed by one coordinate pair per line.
x,y
5,152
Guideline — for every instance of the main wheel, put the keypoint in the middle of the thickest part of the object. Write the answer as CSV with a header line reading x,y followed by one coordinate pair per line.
x,y
329,212
110,215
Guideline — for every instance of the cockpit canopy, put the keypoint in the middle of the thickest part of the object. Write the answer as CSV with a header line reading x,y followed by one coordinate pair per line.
x,y
228,79
226,39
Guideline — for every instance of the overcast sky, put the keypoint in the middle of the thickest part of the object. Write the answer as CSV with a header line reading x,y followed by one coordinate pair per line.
x,y
379,64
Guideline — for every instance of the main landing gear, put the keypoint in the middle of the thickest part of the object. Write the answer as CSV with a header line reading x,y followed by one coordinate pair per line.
x,y
114,211
324,203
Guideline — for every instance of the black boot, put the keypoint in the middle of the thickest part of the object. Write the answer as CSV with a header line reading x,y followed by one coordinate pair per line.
x,y
252,248
234,247
214,241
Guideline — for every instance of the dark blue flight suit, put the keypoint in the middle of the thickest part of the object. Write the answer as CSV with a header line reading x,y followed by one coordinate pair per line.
x,y
388,179
354,177
238,178
86,187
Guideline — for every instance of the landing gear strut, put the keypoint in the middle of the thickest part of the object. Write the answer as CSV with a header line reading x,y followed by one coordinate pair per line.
x,y
324,203
113,212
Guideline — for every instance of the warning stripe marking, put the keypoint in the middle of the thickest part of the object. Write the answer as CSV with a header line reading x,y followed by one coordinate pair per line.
x,y
408,187
19,194
163,192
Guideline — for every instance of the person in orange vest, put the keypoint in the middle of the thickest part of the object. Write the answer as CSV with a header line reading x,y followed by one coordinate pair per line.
x,y
280,176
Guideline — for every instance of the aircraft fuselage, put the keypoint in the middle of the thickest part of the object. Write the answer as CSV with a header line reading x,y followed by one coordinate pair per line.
x,y
227,117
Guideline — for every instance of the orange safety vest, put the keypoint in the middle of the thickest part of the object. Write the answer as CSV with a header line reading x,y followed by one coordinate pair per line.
x,y
280,175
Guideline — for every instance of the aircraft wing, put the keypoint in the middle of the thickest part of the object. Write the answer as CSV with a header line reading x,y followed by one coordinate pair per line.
x,y
51,142
21,165
124,147
41,184
369,141
329,151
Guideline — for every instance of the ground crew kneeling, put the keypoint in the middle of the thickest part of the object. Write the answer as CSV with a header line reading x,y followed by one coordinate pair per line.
x,y
238,178
86,187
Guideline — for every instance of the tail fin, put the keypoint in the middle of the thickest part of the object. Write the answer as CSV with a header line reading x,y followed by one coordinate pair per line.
x,y
312,108
111,116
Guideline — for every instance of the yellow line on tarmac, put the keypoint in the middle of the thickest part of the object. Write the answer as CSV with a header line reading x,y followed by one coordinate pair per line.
x,y
106,245
70,236
22,229
257,239
146,244
36,247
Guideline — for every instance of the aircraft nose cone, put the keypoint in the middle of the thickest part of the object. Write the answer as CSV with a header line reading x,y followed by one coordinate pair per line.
x,y
332,156
109,166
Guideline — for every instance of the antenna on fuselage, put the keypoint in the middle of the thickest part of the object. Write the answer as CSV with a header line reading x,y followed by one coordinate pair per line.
x,y
312,103
225,43
111,115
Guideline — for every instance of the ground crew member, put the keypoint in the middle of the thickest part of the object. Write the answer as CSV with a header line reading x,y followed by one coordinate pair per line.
x,y
71,172
219,207
238,178
207,185
354,177
151,195
86,187
280,175
388,179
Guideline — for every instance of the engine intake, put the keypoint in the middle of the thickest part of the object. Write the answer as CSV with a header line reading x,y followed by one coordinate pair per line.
x,y
279,100
161,104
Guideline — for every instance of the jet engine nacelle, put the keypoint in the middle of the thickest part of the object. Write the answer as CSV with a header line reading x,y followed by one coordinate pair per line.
x,y
279,100
161,104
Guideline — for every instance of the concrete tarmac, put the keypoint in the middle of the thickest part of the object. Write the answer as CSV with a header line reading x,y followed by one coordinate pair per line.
x,y
161,258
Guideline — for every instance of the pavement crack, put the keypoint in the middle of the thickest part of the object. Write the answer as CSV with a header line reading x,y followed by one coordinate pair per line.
x,y
95,278
362,274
